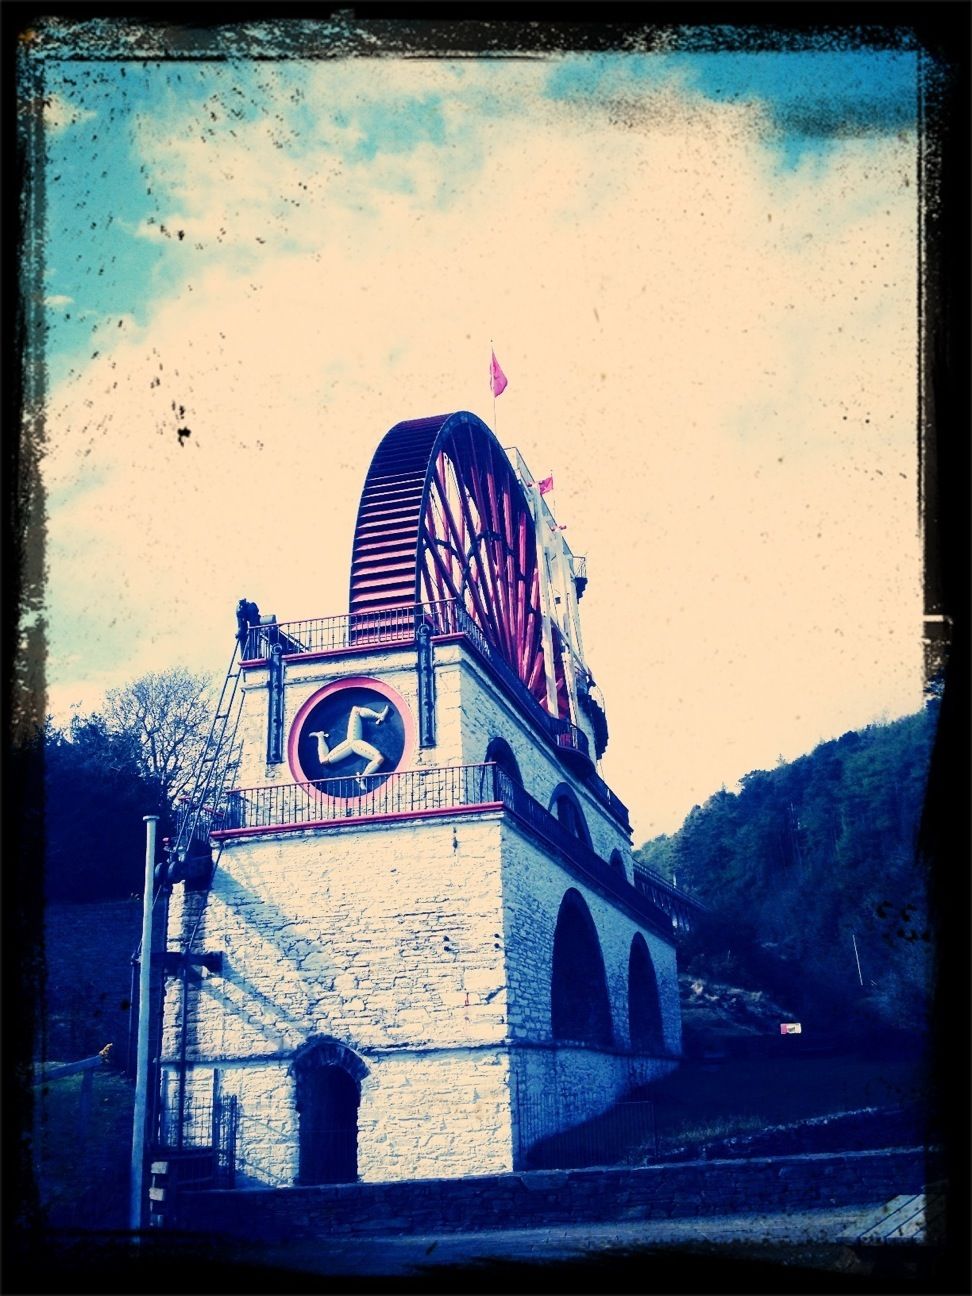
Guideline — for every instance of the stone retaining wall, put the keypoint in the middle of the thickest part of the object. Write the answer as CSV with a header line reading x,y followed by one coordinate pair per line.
x,y
540,1198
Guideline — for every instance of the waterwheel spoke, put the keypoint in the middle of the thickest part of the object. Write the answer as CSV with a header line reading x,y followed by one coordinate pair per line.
x,y
443,518
462,555
499,566
487,572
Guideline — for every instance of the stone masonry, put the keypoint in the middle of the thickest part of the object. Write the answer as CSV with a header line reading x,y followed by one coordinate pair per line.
x,y
423,946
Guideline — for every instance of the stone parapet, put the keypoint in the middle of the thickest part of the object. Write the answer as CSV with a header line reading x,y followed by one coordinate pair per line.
x,y
686,1190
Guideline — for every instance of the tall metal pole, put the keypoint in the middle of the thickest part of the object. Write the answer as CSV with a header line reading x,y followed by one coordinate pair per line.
x,y
136,1212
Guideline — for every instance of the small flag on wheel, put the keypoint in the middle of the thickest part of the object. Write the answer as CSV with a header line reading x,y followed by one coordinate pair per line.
x,y
545,484
497,378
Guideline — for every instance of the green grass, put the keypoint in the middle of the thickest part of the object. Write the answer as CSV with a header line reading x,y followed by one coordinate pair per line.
x,y
701,1102
82,1173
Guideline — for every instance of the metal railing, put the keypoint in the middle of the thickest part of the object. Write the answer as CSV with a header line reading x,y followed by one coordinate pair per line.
x,y
338,633
561,732
399,626
623,1135
533,815
205,1136
578,566
408,793
414,794
682,908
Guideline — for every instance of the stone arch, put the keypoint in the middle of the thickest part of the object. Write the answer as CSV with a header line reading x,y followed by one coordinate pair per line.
x,y
644,1001
580,1009
327,1082
500,753
564,804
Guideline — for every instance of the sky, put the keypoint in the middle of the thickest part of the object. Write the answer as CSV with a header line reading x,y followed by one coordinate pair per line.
x,y
698,270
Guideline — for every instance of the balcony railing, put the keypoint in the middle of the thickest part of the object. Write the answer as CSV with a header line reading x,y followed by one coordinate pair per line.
x,y
415,793
682,908
400,626
410,793
339,633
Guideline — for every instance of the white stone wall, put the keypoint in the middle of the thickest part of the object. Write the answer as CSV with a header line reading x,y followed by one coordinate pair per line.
x,y
435,1114
534,885
470,711
267,1146
383,937
424,1114
481,712
562,1084
424,946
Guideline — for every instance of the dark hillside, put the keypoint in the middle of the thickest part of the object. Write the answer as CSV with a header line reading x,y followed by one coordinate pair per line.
x,y
87,953
812,870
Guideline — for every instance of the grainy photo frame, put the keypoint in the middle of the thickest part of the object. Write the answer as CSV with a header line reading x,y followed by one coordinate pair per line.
x,y
583,385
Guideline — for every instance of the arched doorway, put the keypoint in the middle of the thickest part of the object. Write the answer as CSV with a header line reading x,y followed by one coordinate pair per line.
x,y
579,1005
328,1084
644,1005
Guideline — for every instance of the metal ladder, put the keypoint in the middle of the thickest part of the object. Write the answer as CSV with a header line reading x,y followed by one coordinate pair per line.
x,y
211,774
220,759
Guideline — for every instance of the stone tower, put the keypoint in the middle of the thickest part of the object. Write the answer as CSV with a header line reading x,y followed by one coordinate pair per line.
x,y
422,943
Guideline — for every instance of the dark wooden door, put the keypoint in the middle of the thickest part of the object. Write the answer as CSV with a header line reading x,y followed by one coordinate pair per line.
x,y
329,1127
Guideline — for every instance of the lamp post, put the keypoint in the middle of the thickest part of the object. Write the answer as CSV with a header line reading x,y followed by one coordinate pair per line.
x,y
136,1213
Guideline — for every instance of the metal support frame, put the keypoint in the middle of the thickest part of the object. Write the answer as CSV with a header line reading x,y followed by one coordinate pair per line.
x,y
426,685
275,682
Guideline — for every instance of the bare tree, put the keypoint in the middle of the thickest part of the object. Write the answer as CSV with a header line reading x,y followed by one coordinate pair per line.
x,y
167,713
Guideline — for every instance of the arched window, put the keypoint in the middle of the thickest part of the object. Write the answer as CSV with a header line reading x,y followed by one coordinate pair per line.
x,y
565,805
617,862
580,1009
500,753
644,1005
328,1090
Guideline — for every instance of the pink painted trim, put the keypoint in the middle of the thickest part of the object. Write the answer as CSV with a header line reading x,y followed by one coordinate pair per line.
x,y
338,686
222,833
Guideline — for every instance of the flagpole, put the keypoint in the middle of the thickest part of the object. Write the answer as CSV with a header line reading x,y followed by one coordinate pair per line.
x,y
492,385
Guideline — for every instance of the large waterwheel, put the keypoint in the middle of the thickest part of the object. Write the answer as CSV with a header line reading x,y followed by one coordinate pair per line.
x,y
443,520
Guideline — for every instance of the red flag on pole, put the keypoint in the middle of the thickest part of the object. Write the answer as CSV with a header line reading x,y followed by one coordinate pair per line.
x,y
546,484
497,378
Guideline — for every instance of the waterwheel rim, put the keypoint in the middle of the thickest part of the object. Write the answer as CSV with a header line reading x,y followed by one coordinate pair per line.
x,y
444,518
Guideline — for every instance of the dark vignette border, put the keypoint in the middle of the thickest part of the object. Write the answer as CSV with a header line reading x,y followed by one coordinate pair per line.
x,y
177,31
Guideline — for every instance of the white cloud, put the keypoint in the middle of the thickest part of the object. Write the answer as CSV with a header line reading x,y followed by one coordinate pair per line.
x,y
58,299
717,361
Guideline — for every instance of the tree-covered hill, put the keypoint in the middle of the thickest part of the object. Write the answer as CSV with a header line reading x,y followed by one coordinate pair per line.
x,y
808,860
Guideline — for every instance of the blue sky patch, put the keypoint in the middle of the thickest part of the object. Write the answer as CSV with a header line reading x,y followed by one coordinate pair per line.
x,y
813,97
